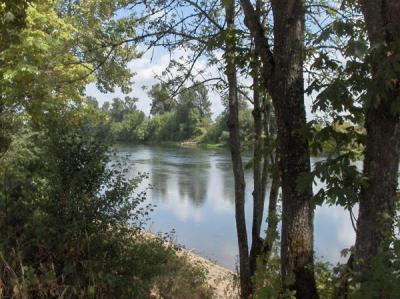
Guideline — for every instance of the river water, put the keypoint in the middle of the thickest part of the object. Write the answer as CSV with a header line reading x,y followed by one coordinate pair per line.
x,y
193,191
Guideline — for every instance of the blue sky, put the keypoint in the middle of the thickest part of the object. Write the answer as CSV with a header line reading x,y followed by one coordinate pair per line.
x,y
152,63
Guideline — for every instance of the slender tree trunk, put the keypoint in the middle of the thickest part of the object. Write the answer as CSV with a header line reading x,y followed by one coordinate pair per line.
x,y
272,219
258,192
234,144
381,163
270,161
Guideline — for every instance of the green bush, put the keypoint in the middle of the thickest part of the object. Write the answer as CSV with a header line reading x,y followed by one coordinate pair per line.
x,y
70,223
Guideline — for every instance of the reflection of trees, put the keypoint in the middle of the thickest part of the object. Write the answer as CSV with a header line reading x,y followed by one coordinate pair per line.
x,y
228,186
192,183
159,182
159,173
174,168
225,169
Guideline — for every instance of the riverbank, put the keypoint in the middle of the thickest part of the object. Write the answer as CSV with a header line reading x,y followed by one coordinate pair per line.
x,y
188,144
221,281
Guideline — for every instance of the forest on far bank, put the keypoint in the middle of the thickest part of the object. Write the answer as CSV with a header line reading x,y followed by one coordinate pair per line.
x,y
187,118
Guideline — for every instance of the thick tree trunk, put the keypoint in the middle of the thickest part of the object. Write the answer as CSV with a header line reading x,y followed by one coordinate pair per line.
x,y
283,77
377,204
234,144
294,159
381,163
297,205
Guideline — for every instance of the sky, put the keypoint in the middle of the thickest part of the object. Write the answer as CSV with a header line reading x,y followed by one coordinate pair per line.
x,y
153,63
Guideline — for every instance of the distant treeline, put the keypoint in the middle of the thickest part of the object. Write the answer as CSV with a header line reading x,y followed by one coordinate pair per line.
x,y
186,117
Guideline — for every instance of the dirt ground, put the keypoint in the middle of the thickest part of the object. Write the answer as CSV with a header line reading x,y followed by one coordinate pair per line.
x,y
222,280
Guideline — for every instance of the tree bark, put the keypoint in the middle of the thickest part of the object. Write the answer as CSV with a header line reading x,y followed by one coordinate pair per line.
x,y
381,162
258,192
283,77
235,148
272,219
288,98
269,128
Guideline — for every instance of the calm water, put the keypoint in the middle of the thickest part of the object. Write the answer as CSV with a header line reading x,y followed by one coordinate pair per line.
x,y
194,194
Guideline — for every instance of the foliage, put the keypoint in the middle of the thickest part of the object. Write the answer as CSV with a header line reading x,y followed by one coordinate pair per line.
x,y
183,281
187,118
383,273
267,279
132,128
72,224
104,39
29,76
218,131
161,100
13,20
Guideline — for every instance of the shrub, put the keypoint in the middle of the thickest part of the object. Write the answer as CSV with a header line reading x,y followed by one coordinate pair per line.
x,y
70,222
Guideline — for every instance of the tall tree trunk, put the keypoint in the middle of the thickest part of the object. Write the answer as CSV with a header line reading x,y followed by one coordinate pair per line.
x,y
269,125
234,144
258,191
283,76
272,218
288,98
381,163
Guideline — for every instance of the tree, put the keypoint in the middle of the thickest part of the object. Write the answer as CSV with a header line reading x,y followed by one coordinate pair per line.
x,y
57,50
197,96
70,222
192,110
201,30
234,145
132,128
382,123
13,19
282,72
264,165
161,100
120,108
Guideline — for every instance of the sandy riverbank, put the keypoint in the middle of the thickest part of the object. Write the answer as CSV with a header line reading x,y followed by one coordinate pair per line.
x,y
221,280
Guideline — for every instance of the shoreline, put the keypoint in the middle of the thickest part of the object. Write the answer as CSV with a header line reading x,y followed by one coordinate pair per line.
x,y
221,280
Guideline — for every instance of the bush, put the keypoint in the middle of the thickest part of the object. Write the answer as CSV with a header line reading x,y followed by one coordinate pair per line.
x,y
216,130
70,223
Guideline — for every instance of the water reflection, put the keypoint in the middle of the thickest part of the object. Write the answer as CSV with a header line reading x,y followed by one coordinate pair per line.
x,y
194,193
159,182
192,184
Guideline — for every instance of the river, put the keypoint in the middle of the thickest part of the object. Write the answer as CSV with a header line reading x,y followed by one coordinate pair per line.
x,y
193,191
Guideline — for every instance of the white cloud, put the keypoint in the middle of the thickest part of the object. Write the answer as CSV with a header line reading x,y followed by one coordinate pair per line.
x,y
151,64
181,205
145,69
345,234
333,232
